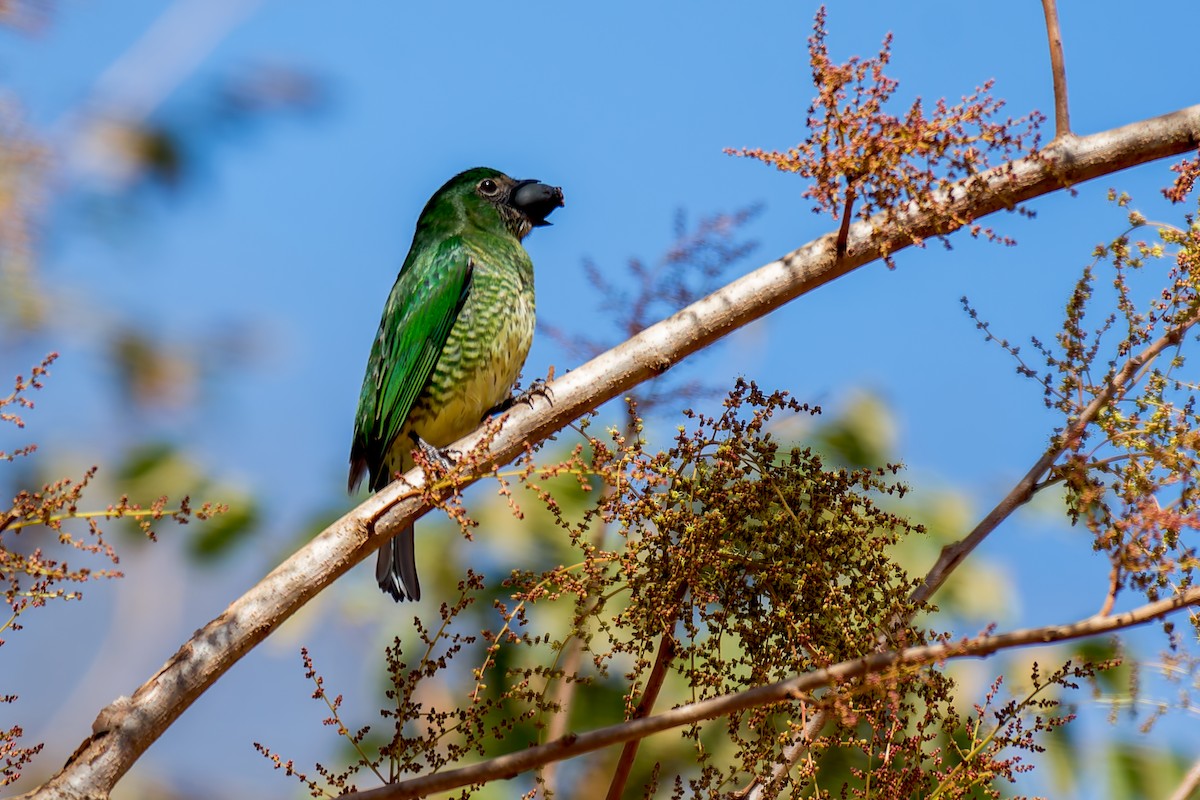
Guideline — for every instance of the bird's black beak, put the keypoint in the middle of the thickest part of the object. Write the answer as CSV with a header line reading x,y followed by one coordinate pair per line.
x,y
535,200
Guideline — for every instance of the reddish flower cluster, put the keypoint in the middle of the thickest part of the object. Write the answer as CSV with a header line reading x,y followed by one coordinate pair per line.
x,y
863,160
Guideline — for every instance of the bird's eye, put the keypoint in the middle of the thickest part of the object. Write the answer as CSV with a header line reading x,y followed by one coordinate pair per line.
x,y
488,186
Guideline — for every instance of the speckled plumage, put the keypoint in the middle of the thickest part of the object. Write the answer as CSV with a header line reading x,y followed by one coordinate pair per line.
x,y
454,335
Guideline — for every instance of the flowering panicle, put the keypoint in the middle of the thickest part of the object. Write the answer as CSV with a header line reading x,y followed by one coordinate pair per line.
x,y
1128,447
731,561
862,160
44,530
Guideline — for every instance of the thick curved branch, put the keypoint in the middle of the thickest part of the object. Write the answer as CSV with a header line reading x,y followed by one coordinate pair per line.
x,y
800,686
124,730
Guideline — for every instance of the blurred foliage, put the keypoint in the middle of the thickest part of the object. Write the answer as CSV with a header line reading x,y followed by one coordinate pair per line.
x,y
154,468
25,15
122,157
23,168
111,154
116,151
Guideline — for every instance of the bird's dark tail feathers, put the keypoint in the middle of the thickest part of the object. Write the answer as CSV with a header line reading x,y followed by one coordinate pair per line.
x,y
396,567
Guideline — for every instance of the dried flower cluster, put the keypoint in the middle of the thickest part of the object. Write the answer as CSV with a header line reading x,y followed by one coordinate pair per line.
x,y
732,562
863,160
1186,172
34,566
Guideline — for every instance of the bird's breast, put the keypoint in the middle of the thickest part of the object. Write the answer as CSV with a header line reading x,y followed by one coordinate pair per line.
x,y
483,356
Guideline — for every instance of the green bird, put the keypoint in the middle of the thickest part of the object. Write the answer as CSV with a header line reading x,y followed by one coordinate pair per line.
x,y
455,332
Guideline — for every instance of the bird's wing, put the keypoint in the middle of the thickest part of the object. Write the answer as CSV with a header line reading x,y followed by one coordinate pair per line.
x,y
426,300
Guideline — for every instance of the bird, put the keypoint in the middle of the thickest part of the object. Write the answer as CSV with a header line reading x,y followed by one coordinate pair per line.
x,y
455,332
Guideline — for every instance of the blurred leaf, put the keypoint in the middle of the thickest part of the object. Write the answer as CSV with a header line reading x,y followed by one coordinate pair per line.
x,y
161,155
28,16
258,90
144,460
22,177
1064,758
863,435
1111,681
221,533
155,469
1138,772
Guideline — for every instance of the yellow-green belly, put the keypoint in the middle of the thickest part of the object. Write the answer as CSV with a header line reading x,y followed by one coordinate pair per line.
x,y
483,356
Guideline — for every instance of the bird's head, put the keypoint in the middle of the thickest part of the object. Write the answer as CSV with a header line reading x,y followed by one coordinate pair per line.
x,y
486,194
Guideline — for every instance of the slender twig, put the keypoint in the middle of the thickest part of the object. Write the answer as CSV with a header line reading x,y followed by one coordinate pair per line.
x,y
843,236
798,687
564,697
127,513
999,719
125,729
1058,66
356,743
565,694
498,637
1114,586
658,675
952,555
791,754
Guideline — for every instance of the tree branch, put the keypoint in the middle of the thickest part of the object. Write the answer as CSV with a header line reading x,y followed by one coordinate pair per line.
x,y
662,665
1189,784
1058,66
798,687
788,758
952,555
124,730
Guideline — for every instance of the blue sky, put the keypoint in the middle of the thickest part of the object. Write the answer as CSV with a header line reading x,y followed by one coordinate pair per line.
x,y
299,226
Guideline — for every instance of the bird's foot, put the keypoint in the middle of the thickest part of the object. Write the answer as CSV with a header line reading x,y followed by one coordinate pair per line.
x,y
539,388
445,458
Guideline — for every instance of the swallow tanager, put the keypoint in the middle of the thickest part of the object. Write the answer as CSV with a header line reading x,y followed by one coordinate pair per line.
x,y
454,335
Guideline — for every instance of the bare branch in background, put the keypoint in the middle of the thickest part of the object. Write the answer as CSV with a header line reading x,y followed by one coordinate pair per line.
x,y
141,80
1189,785
1058,66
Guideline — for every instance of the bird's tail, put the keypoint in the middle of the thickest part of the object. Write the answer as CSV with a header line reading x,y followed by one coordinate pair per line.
x,y
396,567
